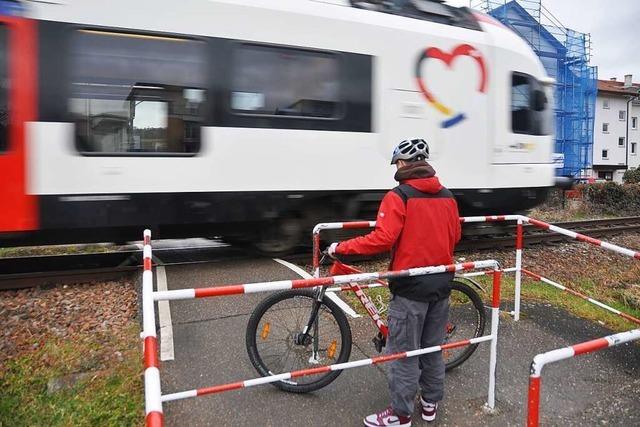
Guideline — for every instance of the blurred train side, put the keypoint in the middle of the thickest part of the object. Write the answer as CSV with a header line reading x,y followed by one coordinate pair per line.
x,y
265,175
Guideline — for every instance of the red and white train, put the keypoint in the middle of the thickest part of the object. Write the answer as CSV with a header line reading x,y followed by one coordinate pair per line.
x,y
255,118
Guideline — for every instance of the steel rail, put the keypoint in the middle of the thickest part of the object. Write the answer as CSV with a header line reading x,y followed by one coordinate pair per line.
x,y
30,271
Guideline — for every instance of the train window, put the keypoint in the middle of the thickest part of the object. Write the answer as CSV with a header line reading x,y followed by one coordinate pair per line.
x,y
531,111
137,94
277,81
4,90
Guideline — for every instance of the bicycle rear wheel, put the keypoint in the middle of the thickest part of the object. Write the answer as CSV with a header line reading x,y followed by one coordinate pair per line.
x,y
467,319
276,343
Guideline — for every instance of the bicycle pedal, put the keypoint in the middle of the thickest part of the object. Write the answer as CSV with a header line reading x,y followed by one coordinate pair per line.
x,y
379,342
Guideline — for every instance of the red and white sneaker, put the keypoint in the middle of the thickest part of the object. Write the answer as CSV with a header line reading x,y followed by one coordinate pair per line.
x,y
387,418
429,410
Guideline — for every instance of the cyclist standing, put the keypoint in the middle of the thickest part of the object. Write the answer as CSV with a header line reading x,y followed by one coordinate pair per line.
x,y
418,222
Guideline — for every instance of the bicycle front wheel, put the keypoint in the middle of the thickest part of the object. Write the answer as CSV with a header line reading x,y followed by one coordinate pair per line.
x,y
276,342
467,320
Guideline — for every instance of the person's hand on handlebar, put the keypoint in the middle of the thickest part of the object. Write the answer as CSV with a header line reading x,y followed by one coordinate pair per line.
x,y
331,249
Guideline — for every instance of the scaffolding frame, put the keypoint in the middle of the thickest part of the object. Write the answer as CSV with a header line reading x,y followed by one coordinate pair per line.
x,y
565,55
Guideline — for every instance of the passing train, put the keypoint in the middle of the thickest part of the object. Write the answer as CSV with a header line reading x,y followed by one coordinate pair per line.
x,y
253,119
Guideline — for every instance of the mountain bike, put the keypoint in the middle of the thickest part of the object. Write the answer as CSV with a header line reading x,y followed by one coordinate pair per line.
x,y
303,328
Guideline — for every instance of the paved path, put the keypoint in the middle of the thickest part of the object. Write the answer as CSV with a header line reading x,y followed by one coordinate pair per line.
x,y
209,349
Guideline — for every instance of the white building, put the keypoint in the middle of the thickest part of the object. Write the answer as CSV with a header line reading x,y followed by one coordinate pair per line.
x,y
616,134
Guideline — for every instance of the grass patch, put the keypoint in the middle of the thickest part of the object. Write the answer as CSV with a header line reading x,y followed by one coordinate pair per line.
x,y
22,251
542,292
110,394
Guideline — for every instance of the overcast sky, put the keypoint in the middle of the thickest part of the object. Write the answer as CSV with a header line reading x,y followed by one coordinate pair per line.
x,y
614,27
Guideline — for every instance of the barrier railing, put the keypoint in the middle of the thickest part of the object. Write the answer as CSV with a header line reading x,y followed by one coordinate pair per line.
x,y
154,397
518,269
543,359
519,252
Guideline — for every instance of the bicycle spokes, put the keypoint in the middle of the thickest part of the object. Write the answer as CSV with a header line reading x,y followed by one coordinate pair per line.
x,y
297,333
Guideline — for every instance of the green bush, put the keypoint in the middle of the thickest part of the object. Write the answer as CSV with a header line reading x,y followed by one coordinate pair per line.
x,y
631,176
612,198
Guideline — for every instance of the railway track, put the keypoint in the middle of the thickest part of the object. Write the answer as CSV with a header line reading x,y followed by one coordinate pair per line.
x,y
503,237
43,270
29,271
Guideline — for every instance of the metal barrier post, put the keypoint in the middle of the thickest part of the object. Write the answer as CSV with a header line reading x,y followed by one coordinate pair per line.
x,y
533,401
519,248
153,399
316,253
495,319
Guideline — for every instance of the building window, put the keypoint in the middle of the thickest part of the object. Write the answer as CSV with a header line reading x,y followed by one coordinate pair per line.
x,y
605,127
531,112
605,154
605,175
605,104
633,147
634,123
4,90
621,141
137,95
622,115
279,81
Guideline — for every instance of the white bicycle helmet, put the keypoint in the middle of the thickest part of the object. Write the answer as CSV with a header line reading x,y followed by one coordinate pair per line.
x,y
411,150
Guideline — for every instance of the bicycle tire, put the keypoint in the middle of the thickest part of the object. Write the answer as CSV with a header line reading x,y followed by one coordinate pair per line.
x,y
256,359
481,320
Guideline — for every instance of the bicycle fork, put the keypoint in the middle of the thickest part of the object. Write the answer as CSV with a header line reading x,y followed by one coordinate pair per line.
x,y
304,338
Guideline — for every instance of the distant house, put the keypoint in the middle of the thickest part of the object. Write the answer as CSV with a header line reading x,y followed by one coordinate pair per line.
x,y
616,134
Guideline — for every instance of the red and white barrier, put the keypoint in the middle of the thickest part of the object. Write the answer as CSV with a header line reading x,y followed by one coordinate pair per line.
x,y
281,285
582,238
152,391
264,287
580,295
541,360
153,394
321,369
518,270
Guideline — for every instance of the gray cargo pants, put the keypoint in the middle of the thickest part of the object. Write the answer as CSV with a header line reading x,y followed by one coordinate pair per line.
x,y
413,325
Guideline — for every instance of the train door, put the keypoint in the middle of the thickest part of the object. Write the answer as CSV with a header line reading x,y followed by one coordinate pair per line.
x,y
18,210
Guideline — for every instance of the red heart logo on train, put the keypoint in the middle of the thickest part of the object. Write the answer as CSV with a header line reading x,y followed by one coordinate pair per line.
x,y
435,53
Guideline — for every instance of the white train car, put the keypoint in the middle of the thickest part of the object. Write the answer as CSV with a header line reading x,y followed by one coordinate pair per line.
x,y
255,117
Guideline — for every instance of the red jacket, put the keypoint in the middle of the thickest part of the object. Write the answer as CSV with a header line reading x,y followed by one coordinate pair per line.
x,y
421,231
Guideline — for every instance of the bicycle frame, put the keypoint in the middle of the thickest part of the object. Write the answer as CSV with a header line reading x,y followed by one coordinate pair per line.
x,y
366,302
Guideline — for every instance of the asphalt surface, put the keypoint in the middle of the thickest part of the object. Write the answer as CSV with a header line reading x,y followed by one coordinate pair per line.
x,y
596,389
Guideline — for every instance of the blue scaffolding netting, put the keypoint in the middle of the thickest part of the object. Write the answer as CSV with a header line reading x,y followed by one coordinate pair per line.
x,y
565,54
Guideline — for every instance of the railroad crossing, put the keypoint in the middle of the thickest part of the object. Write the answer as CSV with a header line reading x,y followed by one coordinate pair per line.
x,y
154,405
